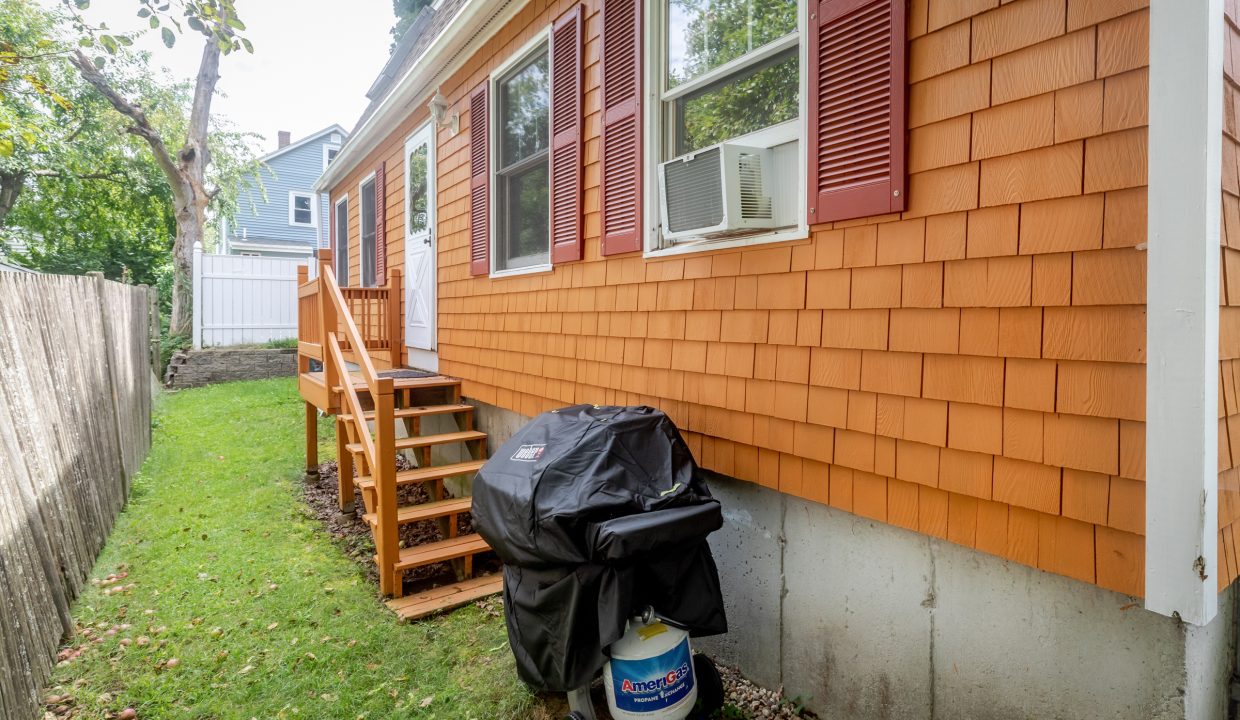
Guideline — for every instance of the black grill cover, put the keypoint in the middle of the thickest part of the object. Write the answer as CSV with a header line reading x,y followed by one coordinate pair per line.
x,y
597,513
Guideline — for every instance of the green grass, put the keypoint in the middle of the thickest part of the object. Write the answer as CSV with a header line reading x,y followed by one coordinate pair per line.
x,y
268,619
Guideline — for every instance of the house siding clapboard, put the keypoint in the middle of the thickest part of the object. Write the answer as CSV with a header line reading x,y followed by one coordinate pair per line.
x,y
971,368
260,218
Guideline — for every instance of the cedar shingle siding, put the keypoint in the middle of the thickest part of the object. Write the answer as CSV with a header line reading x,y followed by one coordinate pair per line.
x,y
971,368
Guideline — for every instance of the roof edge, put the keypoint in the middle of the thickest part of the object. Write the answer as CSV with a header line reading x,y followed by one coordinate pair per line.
x,y
446,48
293,146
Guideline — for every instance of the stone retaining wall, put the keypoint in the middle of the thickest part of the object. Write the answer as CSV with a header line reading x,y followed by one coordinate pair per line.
x,y
194,368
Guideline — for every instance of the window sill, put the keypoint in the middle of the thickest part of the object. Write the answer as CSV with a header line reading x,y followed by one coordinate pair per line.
x,y
531,270
686,247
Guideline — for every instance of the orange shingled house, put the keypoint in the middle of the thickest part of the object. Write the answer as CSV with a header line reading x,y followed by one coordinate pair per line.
x,y
944,291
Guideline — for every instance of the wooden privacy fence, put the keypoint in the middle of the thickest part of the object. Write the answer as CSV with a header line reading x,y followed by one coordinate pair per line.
x,y
241,299
76,378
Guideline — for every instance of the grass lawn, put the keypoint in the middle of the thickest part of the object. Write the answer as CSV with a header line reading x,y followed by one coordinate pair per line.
x,y
237,604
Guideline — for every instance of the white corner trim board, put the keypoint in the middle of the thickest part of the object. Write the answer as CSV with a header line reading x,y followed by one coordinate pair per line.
x,y
1182,324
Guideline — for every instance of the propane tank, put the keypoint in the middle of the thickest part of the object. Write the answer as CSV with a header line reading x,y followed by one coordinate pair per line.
x,y
650,674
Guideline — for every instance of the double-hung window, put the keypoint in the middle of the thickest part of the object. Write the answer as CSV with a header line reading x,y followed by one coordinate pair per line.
x,y
522,140
366,218
329,153
728,71
301,209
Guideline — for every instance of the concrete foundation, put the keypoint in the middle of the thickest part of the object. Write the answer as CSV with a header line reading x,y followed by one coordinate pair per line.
x,y
864,620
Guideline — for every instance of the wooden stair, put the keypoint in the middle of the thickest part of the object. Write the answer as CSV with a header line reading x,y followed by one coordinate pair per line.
x,y
426,441
426,474
421,401
448,596
350,352
426,511
402,413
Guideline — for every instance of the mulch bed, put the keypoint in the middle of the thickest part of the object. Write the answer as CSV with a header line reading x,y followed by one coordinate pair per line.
x,y
353,533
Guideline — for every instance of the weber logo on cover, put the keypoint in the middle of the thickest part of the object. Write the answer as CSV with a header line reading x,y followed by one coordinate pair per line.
x,y
653,683
529,453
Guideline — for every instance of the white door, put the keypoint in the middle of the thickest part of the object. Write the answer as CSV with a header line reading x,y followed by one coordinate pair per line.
x,y
420,240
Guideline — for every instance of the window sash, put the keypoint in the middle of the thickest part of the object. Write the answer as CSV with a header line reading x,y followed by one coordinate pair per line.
x,y
504,232
502,106
296,211
675,108
721,74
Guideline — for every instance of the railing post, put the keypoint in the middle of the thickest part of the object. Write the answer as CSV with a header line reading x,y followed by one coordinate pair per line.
x,y
387,542
396,325
196,309
330,323
303,276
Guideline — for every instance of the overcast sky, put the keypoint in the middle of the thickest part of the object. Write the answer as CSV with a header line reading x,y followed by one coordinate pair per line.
x,y
312,64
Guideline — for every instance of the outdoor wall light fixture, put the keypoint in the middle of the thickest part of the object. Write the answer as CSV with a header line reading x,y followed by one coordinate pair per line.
x,y
439,113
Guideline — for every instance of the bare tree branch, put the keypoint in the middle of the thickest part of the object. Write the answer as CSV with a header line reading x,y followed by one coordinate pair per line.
x,y
141,125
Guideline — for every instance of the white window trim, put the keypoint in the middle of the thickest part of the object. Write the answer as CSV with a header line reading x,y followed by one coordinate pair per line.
x,y
653,136
314,209
341,242
327,147
522,54
361,233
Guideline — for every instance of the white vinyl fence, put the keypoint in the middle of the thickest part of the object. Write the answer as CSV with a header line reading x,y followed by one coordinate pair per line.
x,y
241,299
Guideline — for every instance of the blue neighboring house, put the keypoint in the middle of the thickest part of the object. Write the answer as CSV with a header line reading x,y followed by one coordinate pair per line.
x,y
282,216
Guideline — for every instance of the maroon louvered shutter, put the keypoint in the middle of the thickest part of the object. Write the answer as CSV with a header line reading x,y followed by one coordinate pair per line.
x,y
381,224
621,183
479,183
566,240
856,109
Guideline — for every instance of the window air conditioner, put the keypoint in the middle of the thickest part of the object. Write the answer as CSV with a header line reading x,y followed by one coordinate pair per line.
x,y
717,190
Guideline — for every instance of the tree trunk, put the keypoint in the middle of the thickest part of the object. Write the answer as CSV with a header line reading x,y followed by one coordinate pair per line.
x,y
11,185
186,172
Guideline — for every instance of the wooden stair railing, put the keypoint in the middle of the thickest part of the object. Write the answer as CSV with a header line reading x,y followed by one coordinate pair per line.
x,y
338,326
379,450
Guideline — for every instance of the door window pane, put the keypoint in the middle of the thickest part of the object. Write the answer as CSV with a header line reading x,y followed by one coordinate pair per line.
x,y
417,189
704,34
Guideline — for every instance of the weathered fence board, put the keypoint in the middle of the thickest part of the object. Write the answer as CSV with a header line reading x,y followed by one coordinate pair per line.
x,y
75,418
241,299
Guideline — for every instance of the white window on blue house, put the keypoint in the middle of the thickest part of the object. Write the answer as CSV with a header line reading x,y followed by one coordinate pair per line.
x,y
329,154
301,210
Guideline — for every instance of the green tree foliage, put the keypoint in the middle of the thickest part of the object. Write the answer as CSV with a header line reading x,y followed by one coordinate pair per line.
x,y
705,34
406,12
84,190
